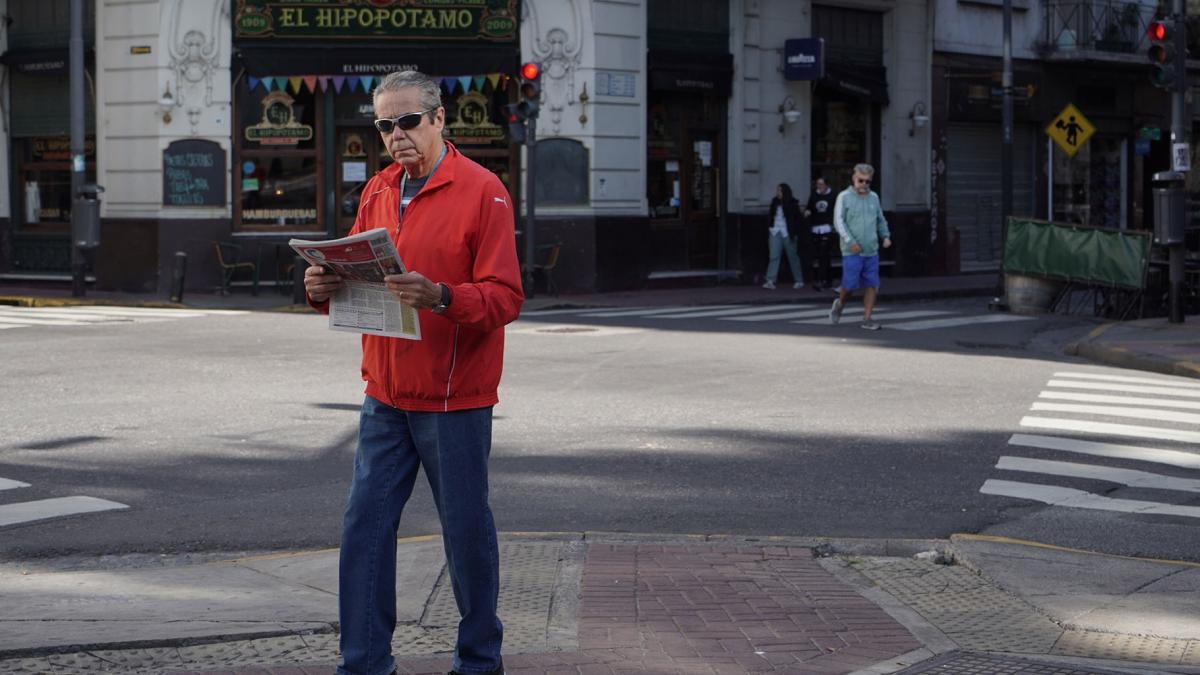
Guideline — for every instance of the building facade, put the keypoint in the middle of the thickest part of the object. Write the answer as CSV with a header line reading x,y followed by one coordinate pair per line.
x,y
665,126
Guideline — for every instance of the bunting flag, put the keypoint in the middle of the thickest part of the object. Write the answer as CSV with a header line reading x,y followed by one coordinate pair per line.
x,y
299,83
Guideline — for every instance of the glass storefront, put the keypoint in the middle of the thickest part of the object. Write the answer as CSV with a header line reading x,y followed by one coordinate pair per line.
x,y
841,138
1091,187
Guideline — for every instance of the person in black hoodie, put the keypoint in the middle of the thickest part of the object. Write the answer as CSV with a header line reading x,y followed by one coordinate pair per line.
x,y
784,218
820,217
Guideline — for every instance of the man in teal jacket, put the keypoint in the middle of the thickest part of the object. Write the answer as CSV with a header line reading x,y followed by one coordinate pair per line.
x,y
860,225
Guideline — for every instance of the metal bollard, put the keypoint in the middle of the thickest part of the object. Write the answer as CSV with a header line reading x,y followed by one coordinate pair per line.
x,y
178,273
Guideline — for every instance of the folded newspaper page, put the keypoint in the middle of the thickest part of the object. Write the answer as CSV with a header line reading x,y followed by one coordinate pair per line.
x,y
363,304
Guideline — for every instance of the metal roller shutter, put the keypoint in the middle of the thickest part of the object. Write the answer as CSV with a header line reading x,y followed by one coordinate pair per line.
x,y
973,189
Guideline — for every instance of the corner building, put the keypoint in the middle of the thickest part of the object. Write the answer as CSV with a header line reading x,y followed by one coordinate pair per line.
x,y
665,126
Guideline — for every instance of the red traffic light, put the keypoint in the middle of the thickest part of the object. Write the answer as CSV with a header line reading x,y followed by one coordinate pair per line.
x,y
1158,30
530,71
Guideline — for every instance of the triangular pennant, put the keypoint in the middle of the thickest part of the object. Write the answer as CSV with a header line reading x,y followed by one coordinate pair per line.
x,y
367,81
494,80
465,81
478,81
281,83
310,81
447,84
252,82
352,80
338,83
324,81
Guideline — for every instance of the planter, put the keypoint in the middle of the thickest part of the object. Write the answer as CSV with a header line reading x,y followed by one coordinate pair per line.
x,y
1030,295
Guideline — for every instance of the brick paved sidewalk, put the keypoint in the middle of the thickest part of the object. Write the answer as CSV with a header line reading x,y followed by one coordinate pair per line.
x,y
704,609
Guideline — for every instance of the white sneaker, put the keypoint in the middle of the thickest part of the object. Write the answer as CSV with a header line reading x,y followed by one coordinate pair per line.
x,y
835,312
798,284
770,285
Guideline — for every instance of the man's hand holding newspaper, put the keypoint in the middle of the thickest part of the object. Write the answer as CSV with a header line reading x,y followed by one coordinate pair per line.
x,y
366,284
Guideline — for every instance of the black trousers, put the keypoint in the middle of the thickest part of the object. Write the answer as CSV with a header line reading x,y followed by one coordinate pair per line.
x,y
822,246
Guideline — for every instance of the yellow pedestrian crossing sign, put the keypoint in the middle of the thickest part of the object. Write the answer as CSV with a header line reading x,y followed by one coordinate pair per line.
x,y
1070,130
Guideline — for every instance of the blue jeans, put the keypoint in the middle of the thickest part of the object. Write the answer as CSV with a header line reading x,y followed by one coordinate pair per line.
x,y
777,244
453,447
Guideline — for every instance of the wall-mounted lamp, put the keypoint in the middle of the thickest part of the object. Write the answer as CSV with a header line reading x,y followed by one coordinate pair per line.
x,y
918,117
166,104
787,113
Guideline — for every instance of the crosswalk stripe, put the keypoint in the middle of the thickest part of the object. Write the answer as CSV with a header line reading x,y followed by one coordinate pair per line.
x,y
1186,460
9,484
34,321
84,315
651,312
890,317
1111,429
1129,379
724,312
1137,413
1127,388
790,314
24,512
958,321
1127,400
156,311
567,310
1130,477
1072,498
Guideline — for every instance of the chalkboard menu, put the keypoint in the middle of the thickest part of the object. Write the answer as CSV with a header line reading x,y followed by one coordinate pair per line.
x,y
194,174
562,172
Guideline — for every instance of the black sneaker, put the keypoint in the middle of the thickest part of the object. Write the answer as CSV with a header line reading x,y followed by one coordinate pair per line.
x,y
498,670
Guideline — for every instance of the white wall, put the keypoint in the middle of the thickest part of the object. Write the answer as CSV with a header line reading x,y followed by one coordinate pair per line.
x,y
131,133
908,55
605,37
969,28
761,155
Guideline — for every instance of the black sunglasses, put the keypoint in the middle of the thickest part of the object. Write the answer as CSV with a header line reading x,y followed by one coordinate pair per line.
x,y
864,181
406,122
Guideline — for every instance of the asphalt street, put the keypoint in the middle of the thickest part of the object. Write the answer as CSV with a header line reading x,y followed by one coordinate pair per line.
x,y
234,432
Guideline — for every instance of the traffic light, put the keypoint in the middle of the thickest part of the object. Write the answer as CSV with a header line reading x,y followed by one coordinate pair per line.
x,y
515,114
1164,54
531,88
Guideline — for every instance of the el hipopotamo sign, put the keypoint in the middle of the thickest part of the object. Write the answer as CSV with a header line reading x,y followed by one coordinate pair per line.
x,y
491,20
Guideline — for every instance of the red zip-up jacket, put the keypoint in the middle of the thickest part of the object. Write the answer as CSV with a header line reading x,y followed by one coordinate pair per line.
x,y
458,231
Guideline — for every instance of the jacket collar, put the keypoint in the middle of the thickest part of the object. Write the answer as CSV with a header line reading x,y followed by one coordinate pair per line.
x,y
444,174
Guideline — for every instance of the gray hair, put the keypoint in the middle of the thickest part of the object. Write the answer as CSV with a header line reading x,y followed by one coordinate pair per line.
x,y
428,90
864,169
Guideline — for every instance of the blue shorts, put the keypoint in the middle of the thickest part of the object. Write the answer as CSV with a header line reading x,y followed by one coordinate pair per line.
x,y
860,271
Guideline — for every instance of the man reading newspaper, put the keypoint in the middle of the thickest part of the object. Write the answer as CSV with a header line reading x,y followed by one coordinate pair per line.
x,y
429,401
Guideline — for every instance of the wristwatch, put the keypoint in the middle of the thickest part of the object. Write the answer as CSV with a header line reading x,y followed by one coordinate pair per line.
x,y
444,303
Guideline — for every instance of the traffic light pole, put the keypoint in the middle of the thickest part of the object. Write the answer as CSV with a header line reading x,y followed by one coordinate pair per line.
x,y
75,56
1175,253
530,234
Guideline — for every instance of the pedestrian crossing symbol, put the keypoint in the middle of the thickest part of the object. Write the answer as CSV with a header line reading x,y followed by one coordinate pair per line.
x,y
1070,130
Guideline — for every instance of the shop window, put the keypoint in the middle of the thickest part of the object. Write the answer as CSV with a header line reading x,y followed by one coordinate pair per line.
x,y
277,178
839,130
1090,188
44,187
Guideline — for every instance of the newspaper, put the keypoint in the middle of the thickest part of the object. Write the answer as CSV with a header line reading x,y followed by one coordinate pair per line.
x,y
363,304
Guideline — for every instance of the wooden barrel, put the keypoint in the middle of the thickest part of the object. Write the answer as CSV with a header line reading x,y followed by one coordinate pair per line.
x,y
1030,295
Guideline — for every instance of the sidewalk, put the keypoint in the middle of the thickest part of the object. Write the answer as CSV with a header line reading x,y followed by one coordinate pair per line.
x,y
588,603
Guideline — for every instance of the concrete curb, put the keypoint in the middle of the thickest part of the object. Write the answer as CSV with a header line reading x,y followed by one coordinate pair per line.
x,y
1093,347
